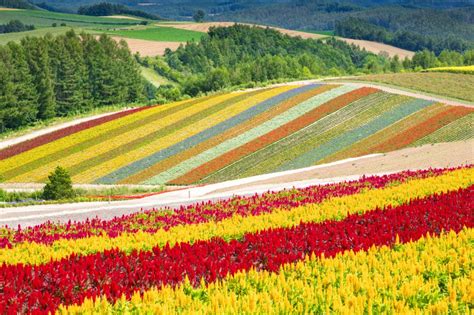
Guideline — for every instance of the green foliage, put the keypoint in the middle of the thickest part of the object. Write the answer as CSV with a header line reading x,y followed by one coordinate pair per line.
x,y
198,16
59,185
105,9
361,29
15,26
239,55
41,78
17,4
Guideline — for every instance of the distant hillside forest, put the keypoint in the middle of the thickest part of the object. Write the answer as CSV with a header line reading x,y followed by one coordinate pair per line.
x,y
244,55
361,29
17,4
107,9
45,77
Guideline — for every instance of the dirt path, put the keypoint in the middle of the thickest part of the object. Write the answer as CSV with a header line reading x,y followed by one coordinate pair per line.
x,y
401,91
36,133
434,156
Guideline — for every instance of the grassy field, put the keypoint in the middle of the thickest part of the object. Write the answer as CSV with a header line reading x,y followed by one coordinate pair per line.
x,y
458,86
46,19
153,77
327,33
232,135
161,34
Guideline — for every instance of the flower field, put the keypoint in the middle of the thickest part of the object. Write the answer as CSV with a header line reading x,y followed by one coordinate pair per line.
x,y
233,135
459,69
399,243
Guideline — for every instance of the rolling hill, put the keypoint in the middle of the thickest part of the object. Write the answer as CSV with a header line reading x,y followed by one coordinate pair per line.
x,y
234,135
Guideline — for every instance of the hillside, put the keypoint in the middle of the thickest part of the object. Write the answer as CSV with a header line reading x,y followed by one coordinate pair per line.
x,y
237,134
453,85
370,46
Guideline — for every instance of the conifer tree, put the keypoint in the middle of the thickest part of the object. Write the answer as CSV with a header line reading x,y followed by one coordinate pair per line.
x,y
40,67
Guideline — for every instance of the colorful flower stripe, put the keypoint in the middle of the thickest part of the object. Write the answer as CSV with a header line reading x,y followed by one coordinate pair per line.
x,y
213,131
77,141
189,152
363,147
190,117
283,131
97,171
70,160
249,135
340,122
49,137
460,129
235,226
113,273
343,140
407,137
431,275
260,159
152,220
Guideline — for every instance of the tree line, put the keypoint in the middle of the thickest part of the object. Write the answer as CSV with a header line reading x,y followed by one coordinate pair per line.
x,y
46,77
242,55
107,9
358,28
15,26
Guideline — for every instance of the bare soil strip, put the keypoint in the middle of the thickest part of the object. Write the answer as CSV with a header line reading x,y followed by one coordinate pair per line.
x,y
148,48
428,156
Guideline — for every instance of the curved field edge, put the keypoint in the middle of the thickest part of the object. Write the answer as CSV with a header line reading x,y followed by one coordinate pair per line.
x,y
451,86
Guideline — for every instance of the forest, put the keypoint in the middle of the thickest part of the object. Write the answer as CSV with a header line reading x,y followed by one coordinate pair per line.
x,y
15,26
361,29
245,56
107,9
46,77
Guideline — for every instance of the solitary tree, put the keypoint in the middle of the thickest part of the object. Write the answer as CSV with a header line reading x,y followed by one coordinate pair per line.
x,y
59,185
199,16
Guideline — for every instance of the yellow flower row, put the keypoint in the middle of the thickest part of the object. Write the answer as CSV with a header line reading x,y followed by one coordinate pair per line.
x,y
79,137
432,275
161,143
113,142
459,69
335,208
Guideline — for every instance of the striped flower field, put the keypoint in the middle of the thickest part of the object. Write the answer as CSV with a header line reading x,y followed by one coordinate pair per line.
x,y
235,135
399,243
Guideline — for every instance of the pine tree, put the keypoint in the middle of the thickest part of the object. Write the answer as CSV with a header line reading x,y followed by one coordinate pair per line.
x,y
40,67
59,185
22,108
72,93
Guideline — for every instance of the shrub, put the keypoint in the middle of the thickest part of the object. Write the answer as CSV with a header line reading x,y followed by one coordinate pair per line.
x,y
59,185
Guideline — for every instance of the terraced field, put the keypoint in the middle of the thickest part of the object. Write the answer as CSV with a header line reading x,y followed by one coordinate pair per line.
x,y
234,135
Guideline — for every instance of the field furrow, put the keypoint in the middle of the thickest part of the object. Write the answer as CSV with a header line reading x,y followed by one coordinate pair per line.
x,y
224,147
188,152
213,131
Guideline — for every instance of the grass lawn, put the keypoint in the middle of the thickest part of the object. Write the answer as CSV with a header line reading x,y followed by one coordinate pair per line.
x,y
452,85
160,34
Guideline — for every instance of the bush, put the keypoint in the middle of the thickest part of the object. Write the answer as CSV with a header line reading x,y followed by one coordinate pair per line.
x,y
59,185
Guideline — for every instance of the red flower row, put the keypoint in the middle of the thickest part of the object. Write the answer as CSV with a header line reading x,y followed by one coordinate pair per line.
x,y
113,273
272,136
152,220
49,137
